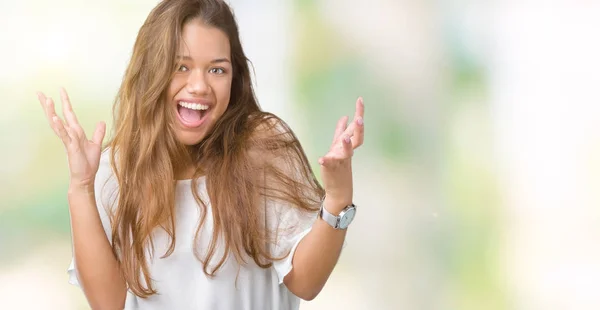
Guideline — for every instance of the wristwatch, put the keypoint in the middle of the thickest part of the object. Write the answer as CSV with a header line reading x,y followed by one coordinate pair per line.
x,y
341,221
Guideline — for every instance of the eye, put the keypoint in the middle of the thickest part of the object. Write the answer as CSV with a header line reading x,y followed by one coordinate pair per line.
x,y
218,71
183,68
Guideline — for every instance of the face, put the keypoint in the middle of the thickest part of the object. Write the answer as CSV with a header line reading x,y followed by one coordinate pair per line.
x,y
199,93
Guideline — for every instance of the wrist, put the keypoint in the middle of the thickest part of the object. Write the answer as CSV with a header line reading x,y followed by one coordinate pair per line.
x,y
80,189
338,215
334,205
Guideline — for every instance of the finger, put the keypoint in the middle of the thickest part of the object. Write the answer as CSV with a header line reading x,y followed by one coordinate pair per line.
x,y
347,147
61,131
72,135
48,106
42,99
99,133
340,127
349,132
359,111
327,161
335,158
70,117
358,136
51,114
359,130
342,149
358,119
359,133
322,161
44,103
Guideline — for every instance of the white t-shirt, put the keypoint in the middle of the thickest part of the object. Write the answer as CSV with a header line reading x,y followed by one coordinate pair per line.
x,y
179,278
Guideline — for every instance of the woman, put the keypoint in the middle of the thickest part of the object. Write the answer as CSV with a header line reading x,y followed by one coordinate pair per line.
x,y
200,200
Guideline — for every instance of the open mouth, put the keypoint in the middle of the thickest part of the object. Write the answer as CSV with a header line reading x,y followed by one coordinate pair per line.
x,y
191,114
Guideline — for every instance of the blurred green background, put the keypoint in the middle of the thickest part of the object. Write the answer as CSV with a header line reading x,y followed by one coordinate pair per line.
x,y
478,181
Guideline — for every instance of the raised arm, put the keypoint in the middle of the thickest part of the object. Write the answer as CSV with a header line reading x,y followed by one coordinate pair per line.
x,y
318,252
96,265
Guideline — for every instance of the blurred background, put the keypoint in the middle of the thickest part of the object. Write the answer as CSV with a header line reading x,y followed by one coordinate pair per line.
x,y
478,180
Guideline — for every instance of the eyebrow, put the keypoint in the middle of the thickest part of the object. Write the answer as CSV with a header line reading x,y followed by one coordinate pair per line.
x,y
214,61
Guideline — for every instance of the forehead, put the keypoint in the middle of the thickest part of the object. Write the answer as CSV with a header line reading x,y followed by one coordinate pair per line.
x,y
202,42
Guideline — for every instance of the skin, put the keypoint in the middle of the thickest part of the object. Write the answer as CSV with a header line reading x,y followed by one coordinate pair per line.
x,y
318,252
204,75
98,269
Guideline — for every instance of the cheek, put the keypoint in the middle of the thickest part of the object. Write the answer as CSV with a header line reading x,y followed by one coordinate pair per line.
x,y
223,93
176,84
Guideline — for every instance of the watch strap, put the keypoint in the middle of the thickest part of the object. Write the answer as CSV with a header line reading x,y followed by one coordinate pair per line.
x,y
332,220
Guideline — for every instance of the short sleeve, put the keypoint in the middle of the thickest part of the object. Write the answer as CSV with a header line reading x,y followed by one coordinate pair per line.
x,y
291,193
105,188
289,225
292,225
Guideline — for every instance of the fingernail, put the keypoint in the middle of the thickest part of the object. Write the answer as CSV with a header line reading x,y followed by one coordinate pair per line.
x,y
362,101
347,139
360,121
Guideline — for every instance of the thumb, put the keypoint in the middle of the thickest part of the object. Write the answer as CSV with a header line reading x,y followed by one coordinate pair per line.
x,y
99,133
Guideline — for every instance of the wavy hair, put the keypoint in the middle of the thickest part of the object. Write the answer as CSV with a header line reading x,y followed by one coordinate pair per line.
x,y
247,157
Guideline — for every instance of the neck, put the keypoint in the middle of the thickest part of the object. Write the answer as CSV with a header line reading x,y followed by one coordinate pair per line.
x,y
185,167
186,173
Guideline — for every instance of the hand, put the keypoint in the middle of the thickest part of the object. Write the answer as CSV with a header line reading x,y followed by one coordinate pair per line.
x,y
83,154
336,165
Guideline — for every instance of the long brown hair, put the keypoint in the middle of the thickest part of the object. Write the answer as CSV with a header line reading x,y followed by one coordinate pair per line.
x,y
249,156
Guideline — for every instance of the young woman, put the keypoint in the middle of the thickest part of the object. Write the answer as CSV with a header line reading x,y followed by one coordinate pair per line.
x,y
200,200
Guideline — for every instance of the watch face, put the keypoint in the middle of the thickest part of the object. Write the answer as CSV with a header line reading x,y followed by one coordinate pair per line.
x,y
347,218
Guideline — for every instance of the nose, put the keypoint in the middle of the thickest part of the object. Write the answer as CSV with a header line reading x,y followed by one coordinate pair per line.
x,y
197,83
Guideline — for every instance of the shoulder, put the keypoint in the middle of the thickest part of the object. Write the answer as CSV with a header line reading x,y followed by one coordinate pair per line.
x,y
105,157
105,168
266,125
275,149
270,136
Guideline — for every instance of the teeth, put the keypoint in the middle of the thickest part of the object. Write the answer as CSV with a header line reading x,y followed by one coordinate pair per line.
x,y
193,106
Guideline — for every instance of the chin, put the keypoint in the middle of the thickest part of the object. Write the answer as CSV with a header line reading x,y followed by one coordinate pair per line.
x,y
190,138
